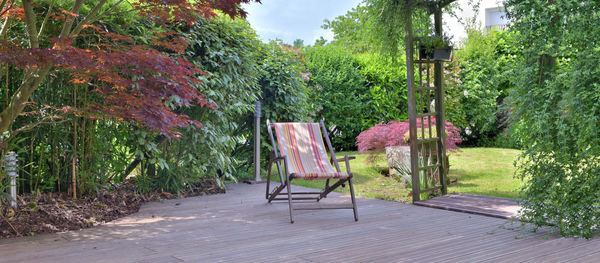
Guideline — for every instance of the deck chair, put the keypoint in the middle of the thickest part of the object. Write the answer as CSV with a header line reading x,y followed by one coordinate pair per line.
x,y
299,148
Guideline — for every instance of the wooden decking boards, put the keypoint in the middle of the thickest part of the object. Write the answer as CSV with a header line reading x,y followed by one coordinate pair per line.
x,y
241,227
475,204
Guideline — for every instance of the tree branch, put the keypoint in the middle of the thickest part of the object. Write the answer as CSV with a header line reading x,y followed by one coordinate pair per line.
x,y
46,19
45,120
5,6
7,23
88,18
66,30
92,17
30,23
17,103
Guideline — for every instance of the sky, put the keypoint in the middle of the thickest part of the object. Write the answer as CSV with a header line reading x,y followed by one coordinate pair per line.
x,y
289,20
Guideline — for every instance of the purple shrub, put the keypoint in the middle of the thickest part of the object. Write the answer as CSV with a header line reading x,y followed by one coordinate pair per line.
x,y
395,133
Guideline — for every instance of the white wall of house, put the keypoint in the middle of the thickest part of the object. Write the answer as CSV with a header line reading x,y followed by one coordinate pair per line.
x,y
490,13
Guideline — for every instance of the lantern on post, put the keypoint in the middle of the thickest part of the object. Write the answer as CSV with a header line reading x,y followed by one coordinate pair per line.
x,y
10,166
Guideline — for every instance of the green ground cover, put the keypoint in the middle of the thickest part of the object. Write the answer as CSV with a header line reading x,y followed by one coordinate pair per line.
x,y
482,171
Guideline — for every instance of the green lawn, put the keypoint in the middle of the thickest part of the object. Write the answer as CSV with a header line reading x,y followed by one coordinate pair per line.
x,y
485,171
482,171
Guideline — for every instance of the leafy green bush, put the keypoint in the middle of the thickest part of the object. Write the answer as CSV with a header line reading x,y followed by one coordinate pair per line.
x,y
284,97
339,93
557,103
485,74
283,89
228,51
354,92
387,88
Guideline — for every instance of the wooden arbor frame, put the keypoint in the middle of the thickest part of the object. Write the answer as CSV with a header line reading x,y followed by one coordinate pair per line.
x,y
424,143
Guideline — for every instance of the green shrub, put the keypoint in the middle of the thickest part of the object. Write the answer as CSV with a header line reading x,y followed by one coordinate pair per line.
x,y
387,89
228,51
354,92
338,93
485,74
284,94
557,103
284,97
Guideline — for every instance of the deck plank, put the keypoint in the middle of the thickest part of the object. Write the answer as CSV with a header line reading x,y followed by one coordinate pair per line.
x,y
504,208
241,227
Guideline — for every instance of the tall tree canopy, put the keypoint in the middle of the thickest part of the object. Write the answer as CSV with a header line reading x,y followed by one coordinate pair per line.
x,y
141,82
378,25
557,102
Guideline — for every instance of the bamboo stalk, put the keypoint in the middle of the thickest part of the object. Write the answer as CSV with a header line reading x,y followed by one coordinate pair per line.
x,y
55,165
7,86
39,170
30,166
74,159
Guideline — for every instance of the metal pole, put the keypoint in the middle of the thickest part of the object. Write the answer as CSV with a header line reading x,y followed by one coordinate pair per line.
x,y
13,191
257,116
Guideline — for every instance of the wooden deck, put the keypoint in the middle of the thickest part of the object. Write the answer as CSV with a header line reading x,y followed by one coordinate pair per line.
x,y
504,208
240,227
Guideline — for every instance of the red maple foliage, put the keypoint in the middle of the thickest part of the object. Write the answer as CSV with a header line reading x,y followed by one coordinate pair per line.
x,y
395,133
138,82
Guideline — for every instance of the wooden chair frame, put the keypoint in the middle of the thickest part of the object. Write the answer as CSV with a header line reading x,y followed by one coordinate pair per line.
x,y
317,196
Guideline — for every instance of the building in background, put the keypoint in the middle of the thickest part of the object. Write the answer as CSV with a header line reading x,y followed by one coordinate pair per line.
x,y
495,17
488,14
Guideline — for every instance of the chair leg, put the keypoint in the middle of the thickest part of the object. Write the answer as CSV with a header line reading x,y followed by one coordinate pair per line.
x,y
289,193
268,179
353,199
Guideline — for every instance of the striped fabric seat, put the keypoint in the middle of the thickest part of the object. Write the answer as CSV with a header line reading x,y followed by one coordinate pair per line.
x,y
303,144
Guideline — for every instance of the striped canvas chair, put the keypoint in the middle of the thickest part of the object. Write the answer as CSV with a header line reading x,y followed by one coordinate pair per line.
x,y
299,153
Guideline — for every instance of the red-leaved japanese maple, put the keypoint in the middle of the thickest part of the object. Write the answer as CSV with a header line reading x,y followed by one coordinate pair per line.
x,y
395,133
138,82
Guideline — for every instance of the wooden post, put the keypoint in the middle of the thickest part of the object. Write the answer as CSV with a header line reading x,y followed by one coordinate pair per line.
x,y
440,122
414,151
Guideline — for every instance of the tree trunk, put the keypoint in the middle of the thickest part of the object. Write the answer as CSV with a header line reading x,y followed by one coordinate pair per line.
x,y
547,67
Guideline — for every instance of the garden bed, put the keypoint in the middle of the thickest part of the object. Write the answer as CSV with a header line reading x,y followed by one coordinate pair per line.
x,y
57,212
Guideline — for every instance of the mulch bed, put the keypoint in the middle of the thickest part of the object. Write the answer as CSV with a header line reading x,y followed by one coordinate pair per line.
x,y
57,212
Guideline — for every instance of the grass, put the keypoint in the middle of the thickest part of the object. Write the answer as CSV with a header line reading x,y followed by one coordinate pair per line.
x,y
482,171
485,171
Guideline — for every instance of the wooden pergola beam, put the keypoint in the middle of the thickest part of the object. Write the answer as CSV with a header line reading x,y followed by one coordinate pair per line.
x,y
434,8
